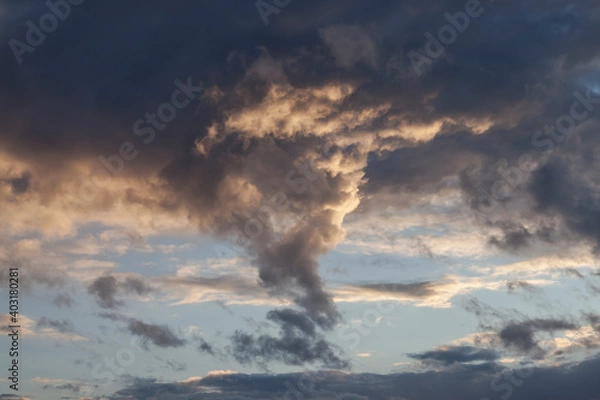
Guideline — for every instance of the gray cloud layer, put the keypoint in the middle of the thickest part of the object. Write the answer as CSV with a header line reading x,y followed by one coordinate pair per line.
x,y
576,381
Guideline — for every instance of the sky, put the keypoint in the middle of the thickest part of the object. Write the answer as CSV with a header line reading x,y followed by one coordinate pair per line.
x,y
284,199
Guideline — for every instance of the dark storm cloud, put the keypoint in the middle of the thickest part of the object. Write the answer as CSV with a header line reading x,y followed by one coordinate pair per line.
x,y
561,187
287,260
576,381
66,87
521,335
456,354
427,167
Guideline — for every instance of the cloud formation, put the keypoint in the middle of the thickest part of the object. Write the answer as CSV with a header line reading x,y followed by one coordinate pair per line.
x,y
290,141
467,382
159,335
298,343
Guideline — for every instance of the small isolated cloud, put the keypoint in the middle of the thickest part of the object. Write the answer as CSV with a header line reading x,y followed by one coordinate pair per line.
x,y
136,285
416,290
456,354
513,286
61,326
61,384
521,335
106,288
204,346
63,300
159,335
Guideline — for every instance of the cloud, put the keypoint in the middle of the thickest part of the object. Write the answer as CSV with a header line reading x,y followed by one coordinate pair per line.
x,y
63,300
434,293
456,354
61,384
521,335
44,328
298,343
513,239
61,326
137,285
159,335
271,121
559,187
416,290
105,289
21,184
205,347
512,286
463,381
